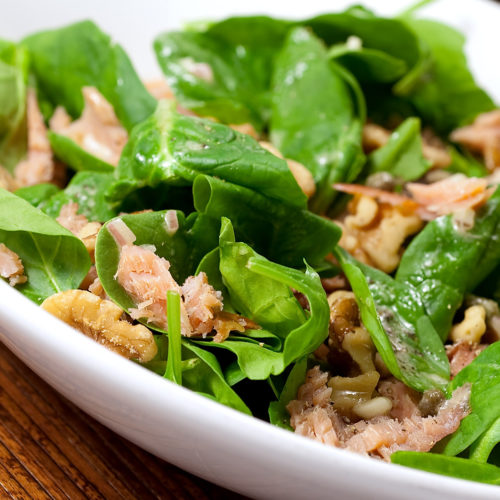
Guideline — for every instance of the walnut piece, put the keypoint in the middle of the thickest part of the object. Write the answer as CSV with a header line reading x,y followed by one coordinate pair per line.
x,y
100,320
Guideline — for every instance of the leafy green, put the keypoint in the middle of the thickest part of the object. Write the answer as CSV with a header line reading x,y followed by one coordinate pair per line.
x,y
173,370
54,259
278,414
394,315
13,81
369,65
171,148
72,155
201,373
482,448
38,194
88,189
439,259
282,233
444,92
261,290
195,237
66,59
319,129
240,53
484,376
402,155
448,466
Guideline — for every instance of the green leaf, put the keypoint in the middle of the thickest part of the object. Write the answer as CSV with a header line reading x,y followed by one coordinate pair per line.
x,y
317,128
195,237
484,376
248,275
444,92
482,448
439,259
403,334
66,59
278,414
13,80
201,373
402,155
72,155
448,466
280,232
38,194
173,370
54,259
88,189
239,52
172,149
369,65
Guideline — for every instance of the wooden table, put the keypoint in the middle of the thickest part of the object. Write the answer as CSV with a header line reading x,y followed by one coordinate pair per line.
x,y
51,449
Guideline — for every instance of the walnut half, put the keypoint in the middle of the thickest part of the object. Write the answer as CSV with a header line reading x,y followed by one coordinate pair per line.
x,y
100,320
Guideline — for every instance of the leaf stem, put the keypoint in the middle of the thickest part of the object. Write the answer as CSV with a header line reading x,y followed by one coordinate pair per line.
x,y
173,370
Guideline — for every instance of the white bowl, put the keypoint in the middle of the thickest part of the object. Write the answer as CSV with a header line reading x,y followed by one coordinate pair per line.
x,y
195,433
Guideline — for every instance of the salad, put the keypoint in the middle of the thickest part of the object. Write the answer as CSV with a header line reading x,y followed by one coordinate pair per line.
x,y
299,221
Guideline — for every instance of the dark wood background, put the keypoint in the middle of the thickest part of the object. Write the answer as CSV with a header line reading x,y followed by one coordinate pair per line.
x,y
49,449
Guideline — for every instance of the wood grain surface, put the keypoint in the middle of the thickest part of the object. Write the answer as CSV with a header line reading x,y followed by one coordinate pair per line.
x,y
49,449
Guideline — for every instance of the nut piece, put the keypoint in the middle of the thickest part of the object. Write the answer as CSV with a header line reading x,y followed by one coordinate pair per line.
x,y
100,320
302,175
375,407
473,326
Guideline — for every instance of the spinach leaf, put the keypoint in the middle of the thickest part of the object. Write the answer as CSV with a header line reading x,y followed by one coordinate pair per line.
x,y
318,129
54,259
172,149
195,237
444,91
463,162
72,155
461,468
239,53
482,448
88,189
13,80
282,233
38,194
369,65
390,36
261,290
439,260
403,334
402,155
65,60
201,373
278,414
484,376
173,370
277,309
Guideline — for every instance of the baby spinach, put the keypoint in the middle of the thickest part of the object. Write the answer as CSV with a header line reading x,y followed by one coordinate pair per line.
x,y
88,189
72,155
38,194
239,53
201,373
195,237
461,468
444,92
319,129
278,414
369,65
402,155
403,334
483,375
13,81
282,233
439,260
173,370
66,59
54,259
261,290
482,448
172,149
